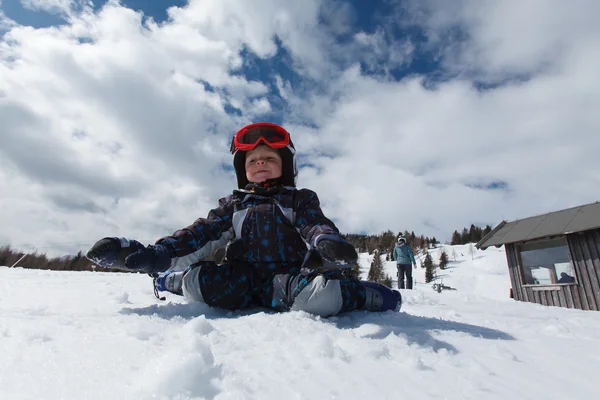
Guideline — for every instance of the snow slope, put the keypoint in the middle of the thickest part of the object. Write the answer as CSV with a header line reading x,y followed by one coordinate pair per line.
x,y
86,335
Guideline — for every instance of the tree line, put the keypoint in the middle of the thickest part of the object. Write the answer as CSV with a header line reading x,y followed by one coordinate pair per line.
x,y
381,244
471,235
385,242
78,262
377,274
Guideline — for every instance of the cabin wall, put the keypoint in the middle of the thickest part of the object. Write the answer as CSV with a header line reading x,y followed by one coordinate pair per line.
x,y
584,249
585,255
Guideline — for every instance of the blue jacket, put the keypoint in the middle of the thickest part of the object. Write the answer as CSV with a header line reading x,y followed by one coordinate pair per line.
x,y
269,230
403,254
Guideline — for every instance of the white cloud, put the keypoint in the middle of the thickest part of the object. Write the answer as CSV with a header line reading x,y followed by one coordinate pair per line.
x,y
381,52
417,151
340,16
117,115
116,125
52,6
505,38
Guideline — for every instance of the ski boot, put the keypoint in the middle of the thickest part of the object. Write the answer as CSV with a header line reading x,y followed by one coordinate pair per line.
x,y
170,281
380,297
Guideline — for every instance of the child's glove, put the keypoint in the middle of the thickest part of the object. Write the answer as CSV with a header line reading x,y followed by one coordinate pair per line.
x,y
111,252
331,251
151,259
129,255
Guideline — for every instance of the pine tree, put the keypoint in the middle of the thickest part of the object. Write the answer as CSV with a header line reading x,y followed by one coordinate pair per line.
x,y
387,281
376,273
456,239
387,240
376,270
443,260
428,264
475,234
370,246
465,237
486,230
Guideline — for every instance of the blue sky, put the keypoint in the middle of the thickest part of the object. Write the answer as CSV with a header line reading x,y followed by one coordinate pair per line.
x,y
14,10
407,114
39,18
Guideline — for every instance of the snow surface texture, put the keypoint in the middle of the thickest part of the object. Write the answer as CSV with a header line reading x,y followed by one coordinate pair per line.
x,y
85,335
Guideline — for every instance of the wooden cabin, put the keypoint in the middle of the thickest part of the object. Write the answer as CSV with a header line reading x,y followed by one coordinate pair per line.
x,y
553,259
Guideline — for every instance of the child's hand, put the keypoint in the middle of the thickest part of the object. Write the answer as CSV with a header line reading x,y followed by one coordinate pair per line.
x,y
129,255
151,259
111,252
335,251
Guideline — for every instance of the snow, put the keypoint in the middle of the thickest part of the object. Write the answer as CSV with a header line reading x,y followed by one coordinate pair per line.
x,y
91,335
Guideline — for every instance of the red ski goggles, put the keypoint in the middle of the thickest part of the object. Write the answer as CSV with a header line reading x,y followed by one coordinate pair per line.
x,y
251,135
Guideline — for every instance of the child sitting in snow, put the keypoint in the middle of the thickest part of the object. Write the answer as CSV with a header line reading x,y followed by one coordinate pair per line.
x,y
281,252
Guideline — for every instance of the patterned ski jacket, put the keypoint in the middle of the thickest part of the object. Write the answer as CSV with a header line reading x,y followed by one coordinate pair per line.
x,y
270,230
403,254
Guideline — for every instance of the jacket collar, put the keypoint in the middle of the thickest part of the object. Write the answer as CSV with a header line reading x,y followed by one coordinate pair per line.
x,y
263,189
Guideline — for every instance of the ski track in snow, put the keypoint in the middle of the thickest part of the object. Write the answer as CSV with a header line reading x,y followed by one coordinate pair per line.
x,y
86,335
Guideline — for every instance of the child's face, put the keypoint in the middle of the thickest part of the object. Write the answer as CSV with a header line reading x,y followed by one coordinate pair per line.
x,y
262,163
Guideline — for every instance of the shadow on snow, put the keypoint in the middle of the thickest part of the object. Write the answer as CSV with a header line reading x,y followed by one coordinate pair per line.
x,y
190,310
417,330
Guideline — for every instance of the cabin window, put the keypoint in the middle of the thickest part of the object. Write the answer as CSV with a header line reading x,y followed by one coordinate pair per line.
x,y
547,262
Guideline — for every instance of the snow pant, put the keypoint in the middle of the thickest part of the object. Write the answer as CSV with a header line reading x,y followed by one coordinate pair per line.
x,y
241,285
405,269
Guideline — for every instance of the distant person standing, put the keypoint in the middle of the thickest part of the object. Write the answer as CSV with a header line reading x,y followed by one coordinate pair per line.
x,y
404,257
565,278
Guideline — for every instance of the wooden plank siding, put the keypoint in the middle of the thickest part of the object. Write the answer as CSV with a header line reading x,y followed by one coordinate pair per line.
x,y
584,252
562,299
513,272
516,277
590,243
576,298
555,299
583,279
584,249
569,297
